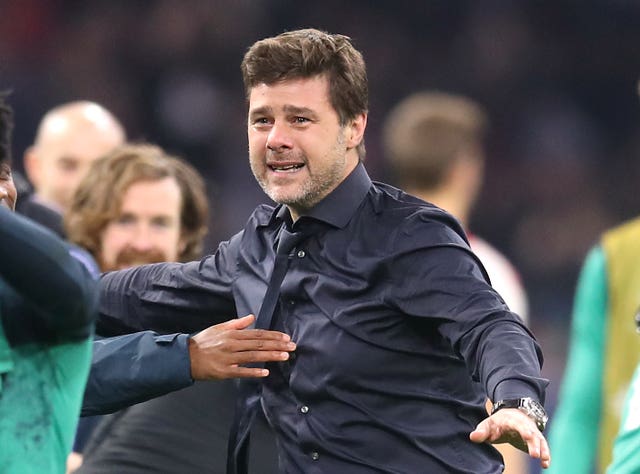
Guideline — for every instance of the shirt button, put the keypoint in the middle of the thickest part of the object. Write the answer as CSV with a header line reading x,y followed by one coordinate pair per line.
x,y
304,409
315,456
301,254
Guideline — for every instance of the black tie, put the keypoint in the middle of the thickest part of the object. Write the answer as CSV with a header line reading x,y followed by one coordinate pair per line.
x,y
250,390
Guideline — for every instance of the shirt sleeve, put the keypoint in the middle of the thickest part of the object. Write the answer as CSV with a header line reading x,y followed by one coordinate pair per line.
x,y
170,297
446,284
577,418
57,281
134,368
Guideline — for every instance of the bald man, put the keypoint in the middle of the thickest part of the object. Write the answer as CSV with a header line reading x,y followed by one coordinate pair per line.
x,y
69,138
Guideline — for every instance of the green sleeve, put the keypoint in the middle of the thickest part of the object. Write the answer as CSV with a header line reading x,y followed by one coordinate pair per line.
x,y
627,444
573,436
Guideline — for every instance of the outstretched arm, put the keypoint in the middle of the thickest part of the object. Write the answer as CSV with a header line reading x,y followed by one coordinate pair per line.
x,y
137,367
169,297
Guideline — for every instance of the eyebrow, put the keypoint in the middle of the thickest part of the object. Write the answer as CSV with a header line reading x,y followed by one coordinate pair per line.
x,y
292,109
289,109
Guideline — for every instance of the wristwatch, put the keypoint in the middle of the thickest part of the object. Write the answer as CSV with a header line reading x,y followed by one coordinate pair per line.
x,y
528,406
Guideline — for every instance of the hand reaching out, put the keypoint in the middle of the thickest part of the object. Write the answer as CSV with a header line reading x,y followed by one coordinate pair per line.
x,y
511,425
219,351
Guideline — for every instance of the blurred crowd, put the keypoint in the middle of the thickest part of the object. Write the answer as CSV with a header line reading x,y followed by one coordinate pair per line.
x,y
558,79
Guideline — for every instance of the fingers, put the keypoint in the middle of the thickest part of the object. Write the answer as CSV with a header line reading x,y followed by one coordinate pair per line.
x,y
545,454
245,322
514,427
220,351
242,345
247,372
237,323
481,433
248,357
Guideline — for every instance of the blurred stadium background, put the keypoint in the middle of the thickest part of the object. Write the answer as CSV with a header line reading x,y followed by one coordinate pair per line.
x,y
559,79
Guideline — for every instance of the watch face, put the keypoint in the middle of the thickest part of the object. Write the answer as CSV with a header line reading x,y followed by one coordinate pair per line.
x,y
535,411
528,406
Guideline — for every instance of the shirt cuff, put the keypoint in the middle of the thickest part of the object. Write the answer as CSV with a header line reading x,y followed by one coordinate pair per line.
x,y
512,388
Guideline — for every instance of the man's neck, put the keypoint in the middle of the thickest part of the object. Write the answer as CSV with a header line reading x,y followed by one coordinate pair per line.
x,y
447,200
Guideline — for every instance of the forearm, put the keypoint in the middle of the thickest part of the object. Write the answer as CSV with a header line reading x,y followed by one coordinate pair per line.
x,y
131,369
166,297
497,348
507,360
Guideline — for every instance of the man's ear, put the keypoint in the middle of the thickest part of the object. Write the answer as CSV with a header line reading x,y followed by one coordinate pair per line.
x,y
32,166
355,132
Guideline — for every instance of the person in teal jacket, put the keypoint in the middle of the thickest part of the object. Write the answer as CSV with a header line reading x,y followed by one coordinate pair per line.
x,y
48,301
603,354
583,369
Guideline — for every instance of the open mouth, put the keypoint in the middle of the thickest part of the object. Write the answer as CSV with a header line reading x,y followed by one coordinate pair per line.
x,y
286,168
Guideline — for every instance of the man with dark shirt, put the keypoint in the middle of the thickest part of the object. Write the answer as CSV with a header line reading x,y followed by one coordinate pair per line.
x,y
400,338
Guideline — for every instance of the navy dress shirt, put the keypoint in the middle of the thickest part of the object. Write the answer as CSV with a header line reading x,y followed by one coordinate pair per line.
x,y
399,335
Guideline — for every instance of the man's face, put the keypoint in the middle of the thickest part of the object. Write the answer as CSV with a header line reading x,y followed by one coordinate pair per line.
x,y
147,229
298,150
8,193
64,158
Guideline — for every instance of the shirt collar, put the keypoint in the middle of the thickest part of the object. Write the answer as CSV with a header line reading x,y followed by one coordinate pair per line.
x,y
341,204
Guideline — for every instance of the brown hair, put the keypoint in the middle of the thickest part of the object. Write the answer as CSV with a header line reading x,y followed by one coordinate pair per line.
x,y
426,132
307,53
98,199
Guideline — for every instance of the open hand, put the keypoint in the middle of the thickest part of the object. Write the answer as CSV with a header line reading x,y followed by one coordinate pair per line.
x,y
510,425
219,351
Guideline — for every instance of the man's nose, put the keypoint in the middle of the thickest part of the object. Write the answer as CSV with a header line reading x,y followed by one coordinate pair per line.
x,y
142,239
279,137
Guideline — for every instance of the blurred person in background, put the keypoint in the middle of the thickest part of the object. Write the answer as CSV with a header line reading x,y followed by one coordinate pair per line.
x,y
48,300
135,206
139,204
603,355
400,335
434,142
69,138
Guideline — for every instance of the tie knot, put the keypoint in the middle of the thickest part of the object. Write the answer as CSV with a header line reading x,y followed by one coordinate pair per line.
x,y
288,240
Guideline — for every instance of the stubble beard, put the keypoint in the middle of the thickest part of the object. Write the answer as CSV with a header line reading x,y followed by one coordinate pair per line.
x,y
314,188
129,257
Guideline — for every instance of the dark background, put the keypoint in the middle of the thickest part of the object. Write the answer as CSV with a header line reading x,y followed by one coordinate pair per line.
x,y
559,80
